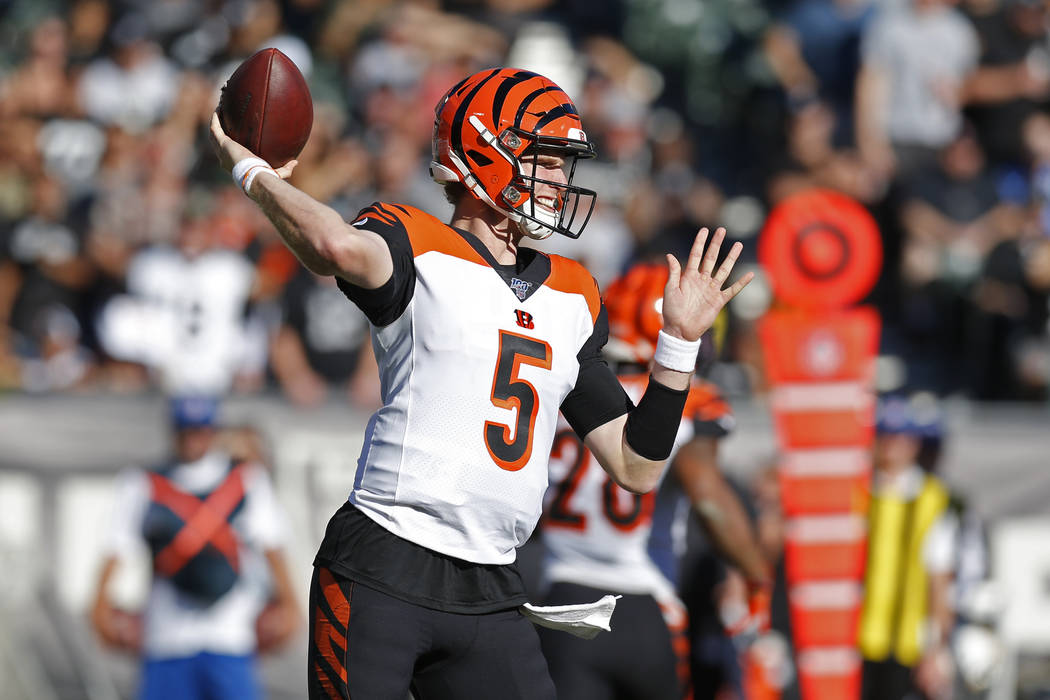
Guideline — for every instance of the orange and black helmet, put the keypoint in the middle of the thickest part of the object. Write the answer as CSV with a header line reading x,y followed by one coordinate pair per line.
x,y
634,303
486,123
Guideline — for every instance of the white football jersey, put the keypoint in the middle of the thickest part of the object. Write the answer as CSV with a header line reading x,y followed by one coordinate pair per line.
x,y
596,533
475,360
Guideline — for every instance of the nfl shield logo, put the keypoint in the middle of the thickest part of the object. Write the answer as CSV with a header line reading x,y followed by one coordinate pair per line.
x,y
520,287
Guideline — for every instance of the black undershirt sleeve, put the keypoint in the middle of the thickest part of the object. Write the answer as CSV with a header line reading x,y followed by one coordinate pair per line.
x,y
598,396
385,304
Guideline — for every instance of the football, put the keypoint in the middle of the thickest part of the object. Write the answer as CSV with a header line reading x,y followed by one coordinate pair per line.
x,y
265,106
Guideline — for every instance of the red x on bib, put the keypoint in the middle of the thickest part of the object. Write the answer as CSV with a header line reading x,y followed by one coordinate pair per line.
x,y
205,521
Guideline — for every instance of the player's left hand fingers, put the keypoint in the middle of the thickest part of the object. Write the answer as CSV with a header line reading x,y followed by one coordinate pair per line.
x,y
727,265
697,251
674,272
707,267
737,286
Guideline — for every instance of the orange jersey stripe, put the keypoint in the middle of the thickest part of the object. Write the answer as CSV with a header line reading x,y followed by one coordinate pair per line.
x,y
427,233
571,277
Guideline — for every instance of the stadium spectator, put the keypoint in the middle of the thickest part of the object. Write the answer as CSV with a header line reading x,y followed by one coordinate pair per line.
x,y
42,87
811,158
444,301
952,216
134,85
44,276
323,342
814,51
597,535
1012,80
915,59
220,588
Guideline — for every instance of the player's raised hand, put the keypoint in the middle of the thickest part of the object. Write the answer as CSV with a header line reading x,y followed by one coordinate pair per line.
x,y
694,293
229,151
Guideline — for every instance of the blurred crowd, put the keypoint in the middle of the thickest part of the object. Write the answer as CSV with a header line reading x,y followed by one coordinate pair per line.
x,y
128,261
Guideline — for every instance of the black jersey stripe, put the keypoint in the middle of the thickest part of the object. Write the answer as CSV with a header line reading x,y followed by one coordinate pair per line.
x,y
384,216
383,208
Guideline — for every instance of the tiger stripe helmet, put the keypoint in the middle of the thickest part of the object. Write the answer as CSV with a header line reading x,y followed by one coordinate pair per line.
x,y
634,304
487,122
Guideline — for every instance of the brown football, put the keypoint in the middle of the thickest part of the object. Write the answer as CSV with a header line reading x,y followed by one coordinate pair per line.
x,y
265,106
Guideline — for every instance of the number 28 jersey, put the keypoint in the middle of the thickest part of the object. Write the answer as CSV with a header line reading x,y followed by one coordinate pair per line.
x,y
597,534
475,360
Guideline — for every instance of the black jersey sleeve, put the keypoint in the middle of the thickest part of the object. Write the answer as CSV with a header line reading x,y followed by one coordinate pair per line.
x,y
598,396
385,304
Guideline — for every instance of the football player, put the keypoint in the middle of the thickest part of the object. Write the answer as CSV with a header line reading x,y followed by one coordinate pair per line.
x,y
479,341
597,535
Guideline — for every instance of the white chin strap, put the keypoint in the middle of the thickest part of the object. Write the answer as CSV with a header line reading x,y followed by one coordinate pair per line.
x,y
535,229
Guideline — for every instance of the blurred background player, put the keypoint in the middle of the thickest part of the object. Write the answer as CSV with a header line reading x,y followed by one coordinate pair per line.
x,y
220,588
185,314
597,534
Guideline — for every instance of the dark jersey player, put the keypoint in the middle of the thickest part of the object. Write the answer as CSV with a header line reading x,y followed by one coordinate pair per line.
x,y
479,341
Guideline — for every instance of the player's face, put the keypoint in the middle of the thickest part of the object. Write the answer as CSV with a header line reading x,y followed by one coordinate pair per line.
x,y
551,168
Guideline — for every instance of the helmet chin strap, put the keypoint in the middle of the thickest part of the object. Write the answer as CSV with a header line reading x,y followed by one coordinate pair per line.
x,y
541,229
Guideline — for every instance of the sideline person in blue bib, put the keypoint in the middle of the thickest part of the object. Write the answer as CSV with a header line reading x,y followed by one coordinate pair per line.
x,y
214,535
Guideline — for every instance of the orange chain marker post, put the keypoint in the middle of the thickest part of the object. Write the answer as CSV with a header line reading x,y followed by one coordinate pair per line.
x,y
823,252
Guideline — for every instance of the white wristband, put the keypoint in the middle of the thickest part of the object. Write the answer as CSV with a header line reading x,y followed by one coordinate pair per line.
x,y
675,353
245,170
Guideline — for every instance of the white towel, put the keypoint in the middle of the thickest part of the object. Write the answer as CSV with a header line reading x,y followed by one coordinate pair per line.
x,y
585,620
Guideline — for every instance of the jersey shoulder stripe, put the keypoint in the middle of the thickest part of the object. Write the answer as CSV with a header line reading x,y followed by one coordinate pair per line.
x,y
426,233
571,277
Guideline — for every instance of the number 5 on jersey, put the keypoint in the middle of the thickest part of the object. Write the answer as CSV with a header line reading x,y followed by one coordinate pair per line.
x,y
511,446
